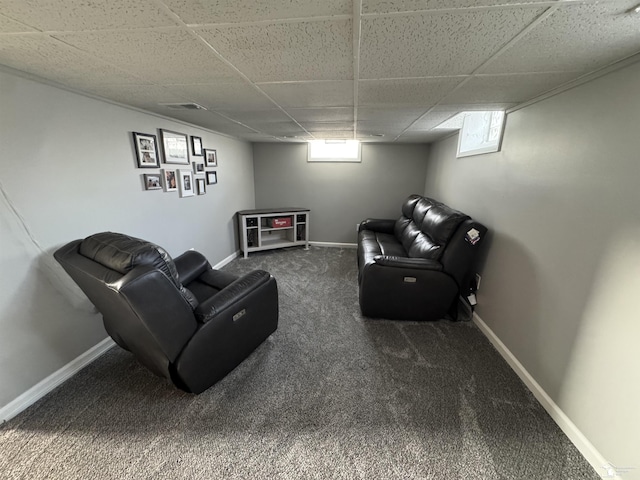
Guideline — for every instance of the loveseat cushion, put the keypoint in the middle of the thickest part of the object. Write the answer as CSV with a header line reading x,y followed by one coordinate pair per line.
x,y
426,226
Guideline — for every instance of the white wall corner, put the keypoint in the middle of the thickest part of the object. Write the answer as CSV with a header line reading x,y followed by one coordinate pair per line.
x,y
586,448
227,260
57,378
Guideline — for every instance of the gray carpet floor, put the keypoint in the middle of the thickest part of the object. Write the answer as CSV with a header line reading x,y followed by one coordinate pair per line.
x,y
330,395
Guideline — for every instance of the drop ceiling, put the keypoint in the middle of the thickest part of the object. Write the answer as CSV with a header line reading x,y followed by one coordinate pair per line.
x,y
293,70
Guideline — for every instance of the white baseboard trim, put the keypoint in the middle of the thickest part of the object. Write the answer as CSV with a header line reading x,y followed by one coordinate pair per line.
x,y
227,260
334,244
39,390
586,448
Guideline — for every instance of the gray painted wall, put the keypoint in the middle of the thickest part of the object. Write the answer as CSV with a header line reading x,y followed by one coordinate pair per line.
x,y
339,194
68,170
561,279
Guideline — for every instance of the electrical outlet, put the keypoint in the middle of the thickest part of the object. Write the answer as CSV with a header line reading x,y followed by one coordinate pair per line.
x,y
478,278
472,300
357,226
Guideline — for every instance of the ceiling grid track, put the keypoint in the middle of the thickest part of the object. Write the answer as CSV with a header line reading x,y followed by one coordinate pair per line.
x,y
357,12
234,68
538,20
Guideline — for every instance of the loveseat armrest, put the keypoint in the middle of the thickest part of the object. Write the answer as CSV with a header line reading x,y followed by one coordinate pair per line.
x,y
230,295
407,262
382,225
190,265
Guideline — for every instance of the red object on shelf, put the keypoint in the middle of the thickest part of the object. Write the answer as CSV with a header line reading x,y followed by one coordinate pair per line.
x,y
279,222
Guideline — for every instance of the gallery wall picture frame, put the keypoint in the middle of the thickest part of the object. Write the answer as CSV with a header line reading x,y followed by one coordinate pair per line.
x,y
198,167
169,179
185,183
174,147
146,147
212,178
210,157
152,181
196,146
202,188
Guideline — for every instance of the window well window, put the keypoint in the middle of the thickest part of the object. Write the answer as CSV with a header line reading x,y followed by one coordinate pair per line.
x,y
480,132
334,151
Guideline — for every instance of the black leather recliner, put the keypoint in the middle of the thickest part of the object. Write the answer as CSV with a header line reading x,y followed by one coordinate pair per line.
x,y
182,320
415,267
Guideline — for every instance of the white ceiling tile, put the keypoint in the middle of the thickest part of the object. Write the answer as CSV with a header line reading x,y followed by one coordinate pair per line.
x,y
206,119
449,107
328,126
250,117
335,134
285,128
10,26
389,114
318,50
225,96
310,94
258,137
381,128
164,56
442,113
222,11
507,88
74,15
574,38
387,6
142,96
437,44
53,60
329,114
422,137
433,119
408,93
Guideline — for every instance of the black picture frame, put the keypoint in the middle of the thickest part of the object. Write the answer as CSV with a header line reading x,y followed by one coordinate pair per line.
x,y
200,186
196,146
210,157
152,181
198,167
175,147
146,147
212,177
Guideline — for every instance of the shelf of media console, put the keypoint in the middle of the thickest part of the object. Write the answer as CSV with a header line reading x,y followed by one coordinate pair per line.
x,y
257,232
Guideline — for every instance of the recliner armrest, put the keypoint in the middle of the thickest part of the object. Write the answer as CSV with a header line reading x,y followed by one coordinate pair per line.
x,y
231,294
382,225
407,262
190,265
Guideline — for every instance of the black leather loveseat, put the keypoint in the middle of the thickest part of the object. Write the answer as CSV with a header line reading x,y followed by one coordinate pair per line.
x,y
415,267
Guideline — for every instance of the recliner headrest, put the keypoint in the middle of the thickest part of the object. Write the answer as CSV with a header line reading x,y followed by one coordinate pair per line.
x,y
122,253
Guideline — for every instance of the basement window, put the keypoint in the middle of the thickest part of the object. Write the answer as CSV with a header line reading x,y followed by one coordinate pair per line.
x,y
480,132
334,151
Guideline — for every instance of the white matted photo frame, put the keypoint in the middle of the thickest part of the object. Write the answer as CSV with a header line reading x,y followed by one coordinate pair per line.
x,y
196,146
185,183
174,147
210,157
152,181
212,177
169,179
201,187
146,147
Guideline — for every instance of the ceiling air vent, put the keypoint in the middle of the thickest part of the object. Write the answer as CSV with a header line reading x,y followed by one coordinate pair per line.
x,y
182,106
